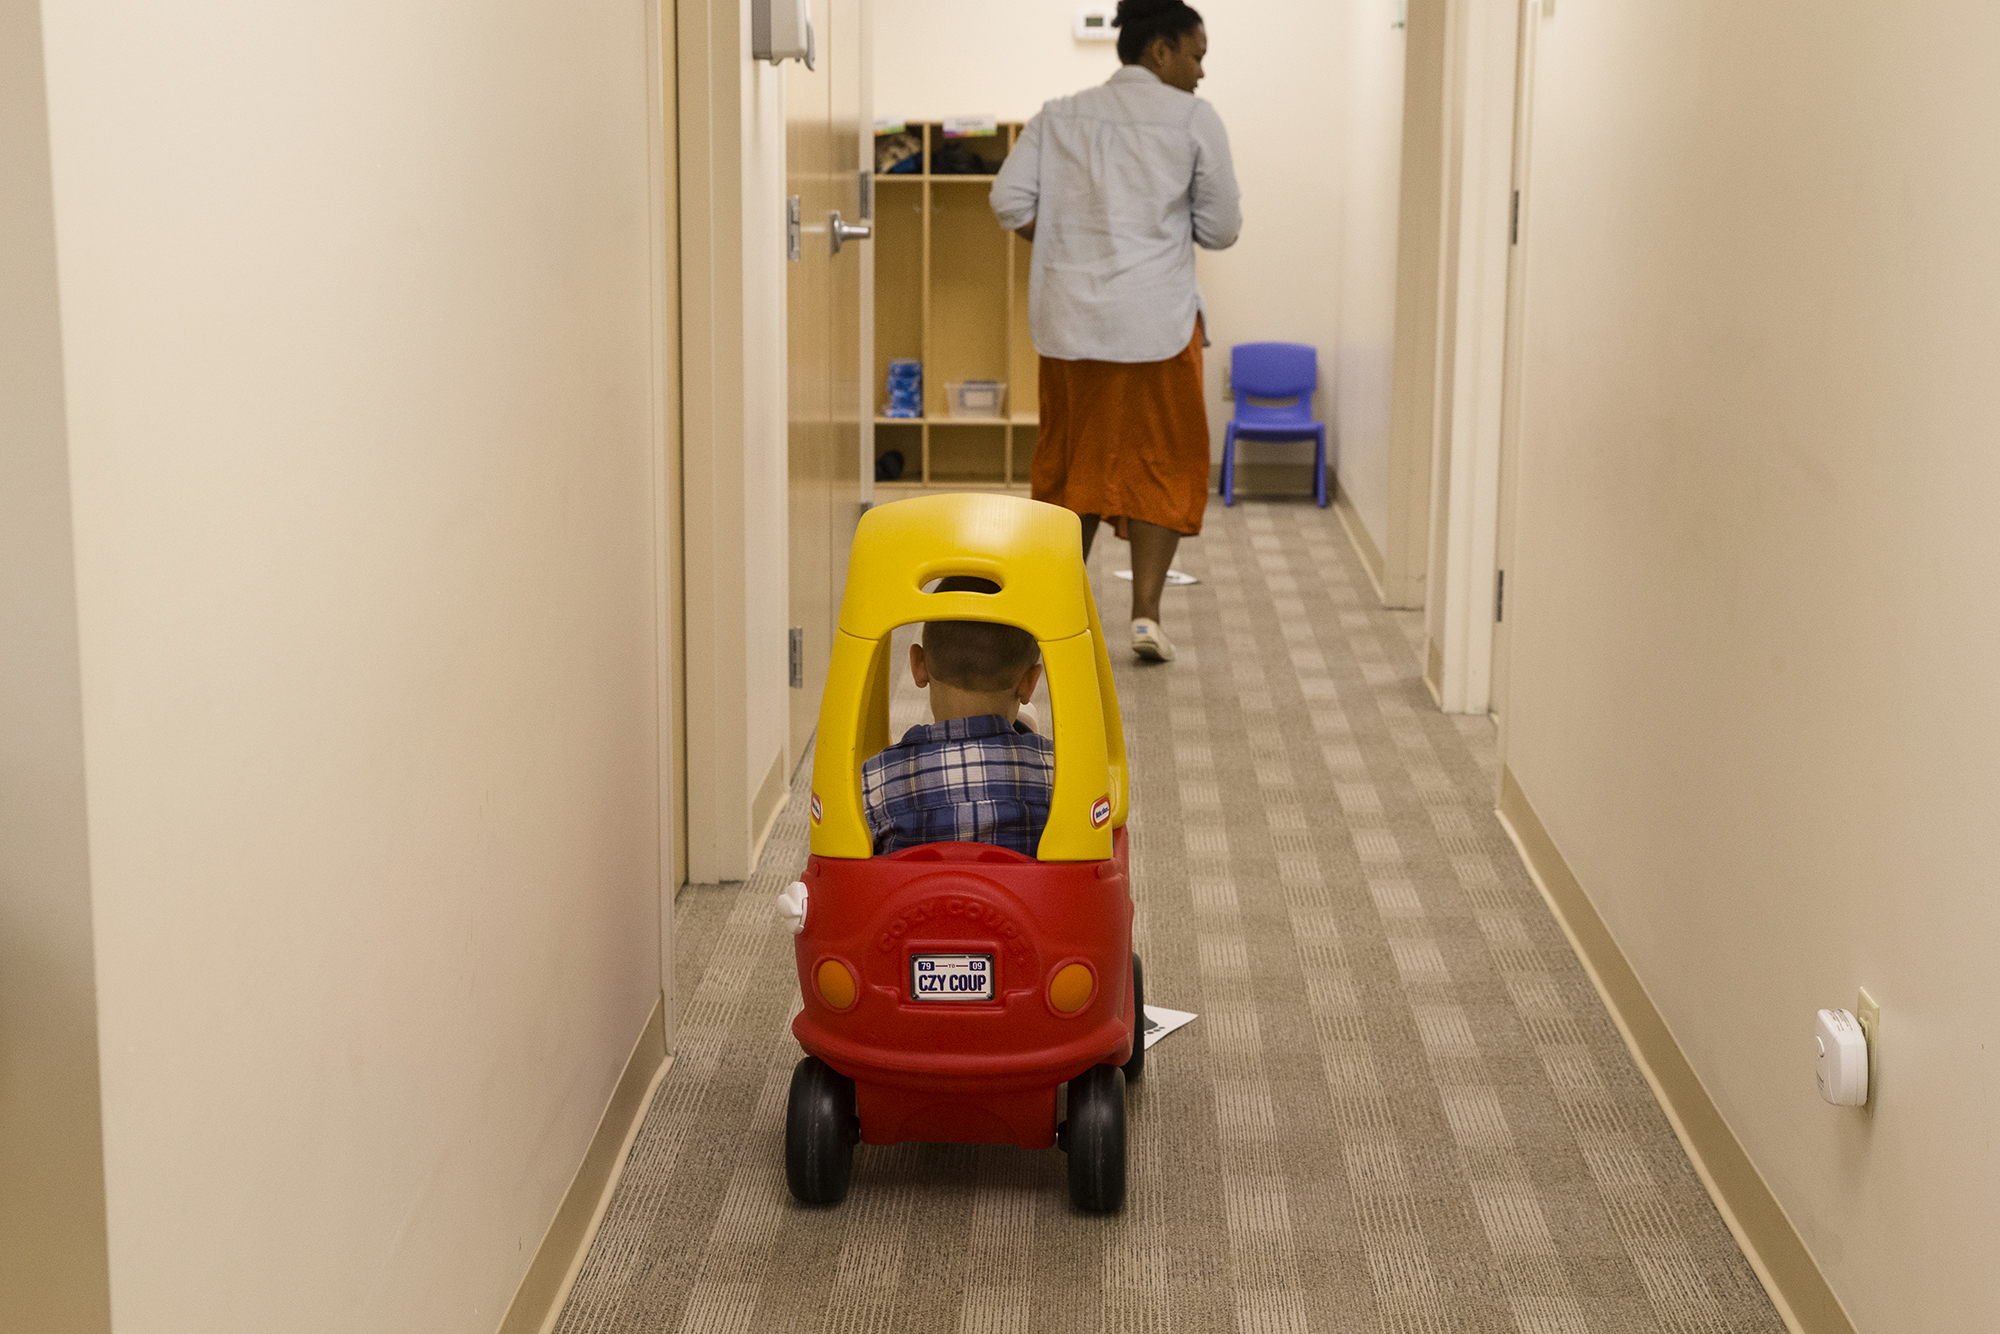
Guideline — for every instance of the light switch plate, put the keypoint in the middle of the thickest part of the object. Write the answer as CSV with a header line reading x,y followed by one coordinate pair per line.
x,y
1869,1014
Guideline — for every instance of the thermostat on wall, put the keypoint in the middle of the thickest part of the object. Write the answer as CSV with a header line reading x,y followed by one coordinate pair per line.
x,y
1093,24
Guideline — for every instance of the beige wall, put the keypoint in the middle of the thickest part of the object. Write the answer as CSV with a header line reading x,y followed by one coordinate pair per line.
x,y
355,310
938,58
1311,96
1752,605
54,1276
1267,75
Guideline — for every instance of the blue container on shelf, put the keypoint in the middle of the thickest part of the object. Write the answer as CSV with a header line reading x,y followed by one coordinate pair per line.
x,y
906,388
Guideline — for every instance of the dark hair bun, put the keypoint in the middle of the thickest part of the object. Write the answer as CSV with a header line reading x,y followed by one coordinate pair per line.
x,y
1139,11
1140,22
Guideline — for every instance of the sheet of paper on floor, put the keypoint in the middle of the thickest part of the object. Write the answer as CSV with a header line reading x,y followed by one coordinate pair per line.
x,y
1161,1021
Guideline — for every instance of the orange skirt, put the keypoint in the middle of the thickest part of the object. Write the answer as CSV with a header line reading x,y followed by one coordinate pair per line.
x,y
1125,440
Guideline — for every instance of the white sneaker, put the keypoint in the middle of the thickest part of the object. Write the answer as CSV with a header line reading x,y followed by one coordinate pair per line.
x,y
1151,642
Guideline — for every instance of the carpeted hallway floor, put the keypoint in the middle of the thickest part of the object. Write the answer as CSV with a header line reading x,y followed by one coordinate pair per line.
x,y
1402,1109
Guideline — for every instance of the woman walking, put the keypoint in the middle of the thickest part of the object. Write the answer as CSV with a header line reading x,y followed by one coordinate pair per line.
x,y
1115,187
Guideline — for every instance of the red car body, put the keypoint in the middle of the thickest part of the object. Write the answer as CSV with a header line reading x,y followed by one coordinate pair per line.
x,y
966,1071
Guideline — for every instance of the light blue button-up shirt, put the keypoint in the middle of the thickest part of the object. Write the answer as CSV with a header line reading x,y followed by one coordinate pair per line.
x,y
1122,181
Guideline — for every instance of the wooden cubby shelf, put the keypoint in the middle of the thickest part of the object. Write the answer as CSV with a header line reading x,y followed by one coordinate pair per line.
x,y
951,291
1016,419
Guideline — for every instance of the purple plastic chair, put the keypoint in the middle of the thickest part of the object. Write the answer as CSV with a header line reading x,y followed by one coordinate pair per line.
x,y
1284,375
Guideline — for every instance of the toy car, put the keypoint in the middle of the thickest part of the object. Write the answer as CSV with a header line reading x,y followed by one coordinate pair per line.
x,y
951,989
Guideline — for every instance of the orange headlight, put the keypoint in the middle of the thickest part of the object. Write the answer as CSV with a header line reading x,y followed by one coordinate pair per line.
x,y
1070,988
836,985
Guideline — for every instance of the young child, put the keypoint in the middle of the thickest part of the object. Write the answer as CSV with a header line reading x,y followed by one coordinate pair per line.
x,y
977,774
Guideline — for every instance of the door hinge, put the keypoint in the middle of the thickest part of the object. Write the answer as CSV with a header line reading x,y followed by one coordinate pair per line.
x,y
1499,595
798,652
795,249
867,209
1514,222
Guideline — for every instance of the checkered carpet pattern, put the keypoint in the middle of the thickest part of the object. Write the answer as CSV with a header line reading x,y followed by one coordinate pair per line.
x,y
1403,1108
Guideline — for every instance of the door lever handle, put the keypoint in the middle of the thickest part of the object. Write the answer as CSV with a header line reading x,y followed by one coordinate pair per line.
x,y
843,232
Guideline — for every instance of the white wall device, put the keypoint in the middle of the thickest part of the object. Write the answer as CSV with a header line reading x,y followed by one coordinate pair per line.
x,y
1843,1059
781,30
792,905
1093,24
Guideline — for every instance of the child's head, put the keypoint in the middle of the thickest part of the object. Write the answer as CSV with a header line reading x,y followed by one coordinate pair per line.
x,y
975,667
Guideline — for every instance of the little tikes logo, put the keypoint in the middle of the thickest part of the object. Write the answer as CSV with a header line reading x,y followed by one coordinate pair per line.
x,y
1100,812
819,811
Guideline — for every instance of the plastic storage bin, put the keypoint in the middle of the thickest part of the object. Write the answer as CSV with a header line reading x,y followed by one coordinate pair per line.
x,y
976,398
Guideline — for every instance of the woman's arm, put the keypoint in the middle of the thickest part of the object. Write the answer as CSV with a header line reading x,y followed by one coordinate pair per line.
x,y
1216,202
1016,193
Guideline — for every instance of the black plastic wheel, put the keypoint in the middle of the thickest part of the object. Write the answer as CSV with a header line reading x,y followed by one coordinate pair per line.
x,y
1095,1139
821,1131
1136,1066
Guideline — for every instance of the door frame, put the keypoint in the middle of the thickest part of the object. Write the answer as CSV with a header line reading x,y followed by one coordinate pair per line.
x,y
1480,94
809,282
669,626
829,429
731,257
1512,375
733,414
864,365
1416,350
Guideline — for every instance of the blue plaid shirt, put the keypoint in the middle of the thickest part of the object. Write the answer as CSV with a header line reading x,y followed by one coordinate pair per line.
x,y
967,780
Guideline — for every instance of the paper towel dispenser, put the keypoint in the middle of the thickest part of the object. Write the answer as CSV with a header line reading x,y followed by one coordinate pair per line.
x,y
782,30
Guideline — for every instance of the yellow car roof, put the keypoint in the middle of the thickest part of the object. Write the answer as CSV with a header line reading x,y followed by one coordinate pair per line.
x,y
1034,552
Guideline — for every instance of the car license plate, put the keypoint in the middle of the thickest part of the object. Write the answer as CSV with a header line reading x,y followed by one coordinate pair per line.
x,y
951,977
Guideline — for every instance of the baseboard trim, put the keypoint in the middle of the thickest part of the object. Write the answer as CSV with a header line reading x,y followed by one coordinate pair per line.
x,y
538,1302
1357,537
1755,1218
1434,671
